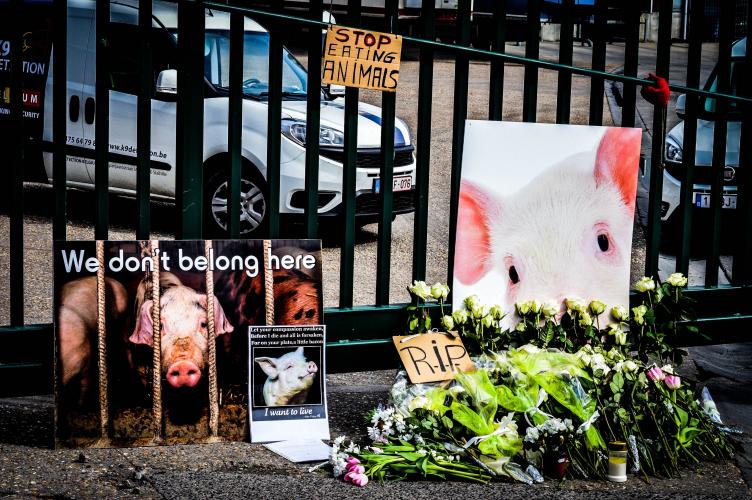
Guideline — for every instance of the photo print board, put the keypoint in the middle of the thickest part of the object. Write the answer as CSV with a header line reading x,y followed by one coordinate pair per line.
x,y
176,402
546,213
287,384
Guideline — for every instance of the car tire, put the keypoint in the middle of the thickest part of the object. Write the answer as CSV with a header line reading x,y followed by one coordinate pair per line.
x,y
254,218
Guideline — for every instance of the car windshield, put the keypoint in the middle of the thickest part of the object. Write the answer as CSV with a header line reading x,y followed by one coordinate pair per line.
x,y
255,65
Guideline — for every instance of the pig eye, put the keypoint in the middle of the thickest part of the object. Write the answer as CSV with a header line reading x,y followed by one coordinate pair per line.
x,y
603,242
513,276
203,324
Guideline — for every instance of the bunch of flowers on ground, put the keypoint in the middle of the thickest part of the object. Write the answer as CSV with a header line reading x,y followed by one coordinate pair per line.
x,y
563,382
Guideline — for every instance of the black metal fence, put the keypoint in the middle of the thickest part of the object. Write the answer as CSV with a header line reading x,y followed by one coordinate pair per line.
x,y
358,336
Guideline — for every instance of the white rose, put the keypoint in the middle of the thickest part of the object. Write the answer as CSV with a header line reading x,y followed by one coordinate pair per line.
x,y
677,280
420,289
620,313
550,309
439,291
644,284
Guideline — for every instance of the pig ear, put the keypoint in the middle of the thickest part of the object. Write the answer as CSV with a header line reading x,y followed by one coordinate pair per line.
x,y
472,244
142,333
269,365
617,160
221,323
299,350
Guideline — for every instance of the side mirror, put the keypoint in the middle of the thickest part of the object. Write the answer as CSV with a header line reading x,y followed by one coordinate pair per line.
x,y
334,91
167,82
681,102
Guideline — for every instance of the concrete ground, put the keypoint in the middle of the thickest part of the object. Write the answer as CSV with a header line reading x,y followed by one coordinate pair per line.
x,y
28,467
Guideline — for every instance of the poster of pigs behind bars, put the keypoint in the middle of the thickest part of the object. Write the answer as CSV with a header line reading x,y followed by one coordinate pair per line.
x,y
545,213
192,388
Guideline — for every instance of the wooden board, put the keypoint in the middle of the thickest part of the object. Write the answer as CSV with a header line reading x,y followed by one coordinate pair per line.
x,y
432,357
359,58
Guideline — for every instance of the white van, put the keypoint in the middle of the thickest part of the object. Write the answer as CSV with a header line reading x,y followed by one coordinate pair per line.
x,y
703,172
123,69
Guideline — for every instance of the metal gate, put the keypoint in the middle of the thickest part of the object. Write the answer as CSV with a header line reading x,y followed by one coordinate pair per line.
x,y
359,336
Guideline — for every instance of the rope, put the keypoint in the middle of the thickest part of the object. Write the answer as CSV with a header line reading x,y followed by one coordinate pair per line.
x,y
210,326
104,416
268,284
156,320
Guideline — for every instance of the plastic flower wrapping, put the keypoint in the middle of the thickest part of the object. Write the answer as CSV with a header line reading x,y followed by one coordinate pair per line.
x,y
556,385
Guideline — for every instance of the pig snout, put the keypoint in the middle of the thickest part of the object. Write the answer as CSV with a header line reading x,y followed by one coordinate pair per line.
x,y
312,368
183,374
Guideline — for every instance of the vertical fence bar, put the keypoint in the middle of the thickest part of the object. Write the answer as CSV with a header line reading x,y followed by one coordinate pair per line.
x,y
742,267
461,68
235,123
102,123
498,44
423,140
663,59
190,119
274,127
16,143
598,62
384,244
146,84
59,116
532,46
313,122
349,166
720,128
696,12
564,84
631,59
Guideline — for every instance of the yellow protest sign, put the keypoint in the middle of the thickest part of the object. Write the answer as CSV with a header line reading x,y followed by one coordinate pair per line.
x,y
432,357
359,58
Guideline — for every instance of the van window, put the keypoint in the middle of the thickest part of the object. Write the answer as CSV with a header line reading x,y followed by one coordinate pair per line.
x,y
255,64
739,72
123,57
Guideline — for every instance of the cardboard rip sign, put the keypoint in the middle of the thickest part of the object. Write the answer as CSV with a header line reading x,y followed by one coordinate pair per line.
x,y
432,357
359,58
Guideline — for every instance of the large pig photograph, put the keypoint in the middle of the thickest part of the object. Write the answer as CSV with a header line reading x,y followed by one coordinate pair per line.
x,y
545,213
151,336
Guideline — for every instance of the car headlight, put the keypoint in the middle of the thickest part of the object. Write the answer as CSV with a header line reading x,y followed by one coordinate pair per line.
x,y
673,151
295,130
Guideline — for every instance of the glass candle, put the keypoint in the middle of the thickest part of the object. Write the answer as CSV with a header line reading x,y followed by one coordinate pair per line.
x,y
617,461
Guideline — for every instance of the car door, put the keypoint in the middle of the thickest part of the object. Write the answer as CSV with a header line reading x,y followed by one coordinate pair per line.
x,y
123,60
80,26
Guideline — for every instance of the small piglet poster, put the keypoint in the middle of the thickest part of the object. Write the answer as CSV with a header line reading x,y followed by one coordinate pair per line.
x,y
287,392
545,213
152,336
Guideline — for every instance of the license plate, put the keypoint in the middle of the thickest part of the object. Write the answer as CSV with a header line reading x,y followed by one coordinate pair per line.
x,y
702,200
399,183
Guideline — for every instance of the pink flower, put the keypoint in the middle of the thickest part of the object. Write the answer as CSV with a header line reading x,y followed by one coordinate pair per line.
x,y
656,374
358,479
673,382
356,469
352,461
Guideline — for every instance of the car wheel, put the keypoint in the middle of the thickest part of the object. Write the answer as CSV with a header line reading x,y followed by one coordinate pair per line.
x,y
253,204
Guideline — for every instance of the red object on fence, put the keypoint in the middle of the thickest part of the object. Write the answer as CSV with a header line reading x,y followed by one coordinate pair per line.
x,y
658,93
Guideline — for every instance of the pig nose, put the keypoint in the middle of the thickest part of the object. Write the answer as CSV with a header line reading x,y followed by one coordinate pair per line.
x,y
183,373
312,368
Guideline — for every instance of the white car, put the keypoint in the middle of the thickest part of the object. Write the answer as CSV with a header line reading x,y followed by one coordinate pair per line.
x,y
123,60
703,174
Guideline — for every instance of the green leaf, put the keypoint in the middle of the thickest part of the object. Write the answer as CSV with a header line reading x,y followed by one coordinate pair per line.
x,y
470,419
